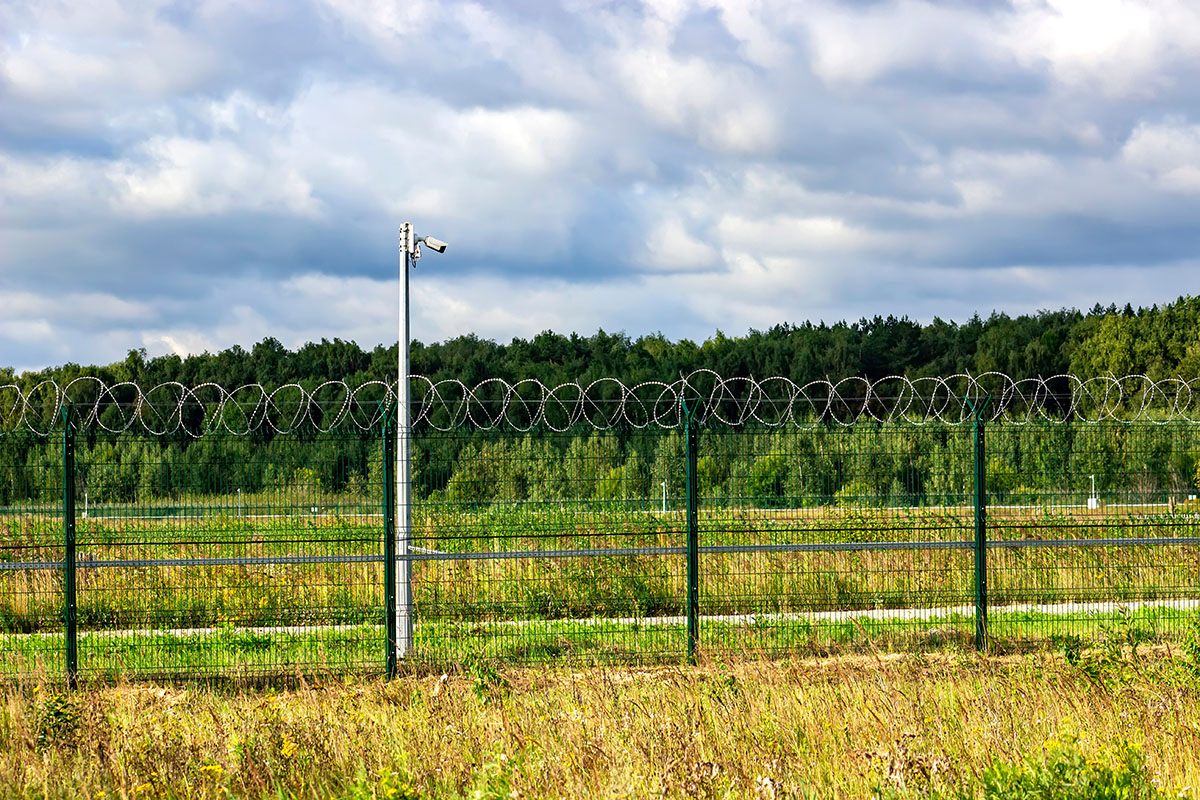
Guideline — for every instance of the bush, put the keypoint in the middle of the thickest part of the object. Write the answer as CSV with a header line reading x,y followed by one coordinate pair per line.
x,y
1061,772
855,494
1064,773
767,478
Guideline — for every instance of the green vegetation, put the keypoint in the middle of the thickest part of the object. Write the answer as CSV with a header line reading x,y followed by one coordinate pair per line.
x,y
1108,724
244,619
867,464
1159,341
528,587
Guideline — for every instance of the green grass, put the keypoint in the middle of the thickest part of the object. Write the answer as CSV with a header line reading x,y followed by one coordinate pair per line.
x,y
235,653
912,726
493,594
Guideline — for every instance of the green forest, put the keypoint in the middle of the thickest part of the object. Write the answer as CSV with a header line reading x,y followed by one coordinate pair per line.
x,y
895,463
1159,341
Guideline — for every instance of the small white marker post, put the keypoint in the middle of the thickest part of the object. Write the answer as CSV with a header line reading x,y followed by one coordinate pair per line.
x,y
664,485
1093,501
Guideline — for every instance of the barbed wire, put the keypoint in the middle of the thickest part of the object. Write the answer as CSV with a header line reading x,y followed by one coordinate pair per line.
x,y
494,403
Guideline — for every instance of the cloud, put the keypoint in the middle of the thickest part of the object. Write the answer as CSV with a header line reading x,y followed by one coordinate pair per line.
x,y
1120,47
719,106
1168,153
190,176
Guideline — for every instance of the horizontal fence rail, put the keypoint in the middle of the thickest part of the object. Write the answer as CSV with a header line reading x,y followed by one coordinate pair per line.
x,y
663,522
488,555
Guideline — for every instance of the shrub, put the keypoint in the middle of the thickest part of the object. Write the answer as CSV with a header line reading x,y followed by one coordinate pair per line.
x,y
855,494
1061,772
1065,773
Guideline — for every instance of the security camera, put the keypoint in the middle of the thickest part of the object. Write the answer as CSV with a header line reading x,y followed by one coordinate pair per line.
x,y
436,245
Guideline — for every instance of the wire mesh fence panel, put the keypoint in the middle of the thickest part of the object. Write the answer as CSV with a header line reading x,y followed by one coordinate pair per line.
x,y
1093,530
257,546
548,545
816,540
31,553
229,555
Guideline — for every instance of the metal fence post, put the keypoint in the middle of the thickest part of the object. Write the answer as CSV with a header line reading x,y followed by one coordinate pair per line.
x,y
981,571
69,609
693,537
389,542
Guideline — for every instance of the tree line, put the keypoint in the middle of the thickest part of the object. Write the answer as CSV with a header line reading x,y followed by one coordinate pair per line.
x,y
867,464
1161,341
888,464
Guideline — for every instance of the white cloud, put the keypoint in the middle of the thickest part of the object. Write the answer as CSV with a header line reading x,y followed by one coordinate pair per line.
x,y
813,160
168,176
854,44
386,17
720,106
670,246
75,59
785,233
1119,46
87,308
1168,153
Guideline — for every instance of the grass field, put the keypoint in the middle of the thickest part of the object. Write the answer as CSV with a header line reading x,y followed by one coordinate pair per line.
x,y
534,608
1107,722
232,654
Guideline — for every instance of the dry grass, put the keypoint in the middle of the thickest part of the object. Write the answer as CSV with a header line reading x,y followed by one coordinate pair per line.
x,y
842,727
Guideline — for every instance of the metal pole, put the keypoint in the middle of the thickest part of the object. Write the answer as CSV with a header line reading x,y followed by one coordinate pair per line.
x,y
981,572
69,588
389,544
693,540
403,616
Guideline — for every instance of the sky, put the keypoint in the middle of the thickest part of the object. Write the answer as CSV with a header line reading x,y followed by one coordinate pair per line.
x,y
186,176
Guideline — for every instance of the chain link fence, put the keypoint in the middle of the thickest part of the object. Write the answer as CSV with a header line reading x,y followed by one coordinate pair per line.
x,y
172,554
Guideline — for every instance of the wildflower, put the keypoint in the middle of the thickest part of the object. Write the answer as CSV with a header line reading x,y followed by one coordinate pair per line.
x,y
289,748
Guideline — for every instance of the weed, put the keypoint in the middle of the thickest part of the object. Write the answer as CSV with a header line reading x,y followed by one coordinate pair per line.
x,y
56,719
487,683
901,726
1071,645
1061,772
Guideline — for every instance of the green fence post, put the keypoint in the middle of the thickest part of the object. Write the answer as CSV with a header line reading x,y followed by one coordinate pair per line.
x,y
389,541
69,614
981,571
693,537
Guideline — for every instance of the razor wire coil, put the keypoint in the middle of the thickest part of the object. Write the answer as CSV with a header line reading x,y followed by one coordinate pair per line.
x,y
173,408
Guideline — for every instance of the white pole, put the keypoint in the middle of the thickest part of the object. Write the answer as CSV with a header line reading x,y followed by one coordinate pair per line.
x,y
403,483
664,485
